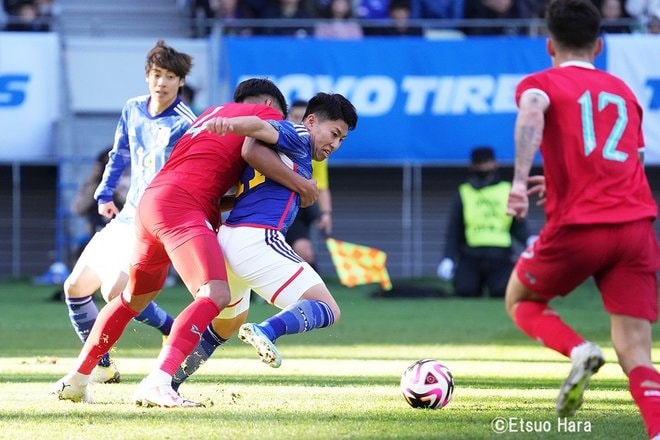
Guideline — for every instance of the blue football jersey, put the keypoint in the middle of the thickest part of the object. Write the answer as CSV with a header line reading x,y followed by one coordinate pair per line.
x,y
144,143
264,203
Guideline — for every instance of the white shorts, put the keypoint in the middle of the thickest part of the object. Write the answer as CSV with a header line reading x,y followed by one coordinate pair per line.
x,y
261,260
109,251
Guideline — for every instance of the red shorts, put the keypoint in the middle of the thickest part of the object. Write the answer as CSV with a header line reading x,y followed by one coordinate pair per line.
x,y
171,226
622,258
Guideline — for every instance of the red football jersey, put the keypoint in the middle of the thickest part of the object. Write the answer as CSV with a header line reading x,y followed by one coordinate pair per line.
x,y
207,165
590,146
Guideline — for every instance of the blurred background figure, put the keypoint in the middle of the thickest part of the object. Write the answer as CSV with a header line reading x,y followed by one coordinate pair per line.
x,y
613,11
339,22
400,14
84,204
26,15
647,12
479,250
319,214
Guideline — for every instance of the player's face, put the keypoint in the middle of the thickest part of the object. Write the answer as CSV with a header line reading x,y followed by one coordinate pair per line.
x,y
326,136
163,85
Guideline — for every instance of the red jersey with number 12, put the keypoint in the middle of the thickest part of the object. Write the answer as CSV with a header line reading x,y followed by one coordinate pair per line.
x,y
207,165
590,146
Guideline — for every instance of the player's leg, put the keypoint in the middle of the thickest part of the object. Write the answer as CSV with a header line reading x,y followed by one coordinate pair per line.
x,y
198,259
267,264
215,335
223,327
575,253
146,279
113,266
79,288
631,338
629,292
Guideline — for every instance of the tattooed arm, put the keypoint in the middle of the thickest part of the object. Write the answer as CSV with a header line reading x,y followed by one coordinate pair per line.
x,y
528,134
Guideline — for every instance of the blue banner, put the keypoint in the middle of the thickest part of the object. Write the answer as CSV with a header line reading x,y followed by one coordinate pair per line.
x,y
420,101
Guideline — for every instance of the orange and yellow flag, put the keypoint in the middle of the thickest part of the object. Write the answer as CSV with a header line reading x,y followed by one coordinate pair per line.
x,y
357,264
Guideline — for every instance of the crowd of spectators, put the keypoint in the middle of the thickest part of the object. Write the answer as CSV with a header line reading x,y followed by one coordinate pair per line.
x,y
27,15
350,19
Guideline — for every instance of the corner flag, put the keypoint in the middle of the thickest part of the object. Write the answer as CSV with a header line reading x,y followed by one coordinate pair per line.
x,y
357,264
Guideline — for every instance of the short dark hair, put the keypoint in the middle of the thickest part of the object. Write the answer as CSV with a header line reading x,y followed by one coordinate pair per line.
x,y
165,57
482,154
332,107
298,103
573,24
254,87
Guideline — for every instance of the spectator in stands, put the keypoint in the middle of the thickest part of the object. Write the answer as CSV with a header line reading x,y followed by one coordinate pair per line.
x,y
500,10
437,9
373,9
400,14
340,22
287,10
227,11
647,12
653,26
613,11
24,16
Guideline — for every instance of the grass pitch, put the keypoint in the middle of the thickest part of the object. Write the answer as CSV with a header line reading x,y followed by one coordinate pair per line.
x,y
341,382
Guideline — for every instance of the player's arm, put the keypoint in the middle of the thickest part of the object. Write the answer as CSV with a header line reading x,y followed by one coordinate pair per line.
x,y
251,126
267,162
528,133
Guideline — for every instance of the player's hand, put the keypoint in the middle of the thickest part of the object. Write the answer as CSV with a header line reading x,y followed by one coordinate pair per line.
x,y
518,203
308,192
108,209
537,188
220,126
324,223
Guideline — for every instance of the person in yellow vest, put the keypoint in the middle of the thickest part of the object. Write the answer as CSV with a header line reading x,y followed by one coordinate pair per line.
x,y
480,234
319,214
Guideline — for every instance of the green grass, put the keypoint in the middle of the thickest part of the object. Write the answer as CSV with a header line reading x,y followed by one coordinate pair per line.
x,y
340,382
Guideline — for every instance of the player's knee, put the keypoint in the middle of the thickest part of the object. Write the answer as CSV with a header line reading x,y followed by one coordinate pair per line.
x,y
217,291
72,289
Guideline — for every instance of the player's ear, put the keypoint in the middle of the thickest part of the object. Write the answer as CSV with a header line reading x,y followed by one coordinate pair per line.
x,y
550,47
599,47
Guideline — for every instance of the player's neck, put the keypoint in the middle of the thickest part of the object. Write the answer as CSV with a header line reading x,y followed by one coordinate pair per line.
x,y
156,107
560,59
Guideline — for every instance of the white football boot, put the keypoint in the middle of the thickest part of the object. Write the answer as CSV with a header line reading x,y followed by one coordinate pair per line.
x,y
587,360
150,394
73,387
268,353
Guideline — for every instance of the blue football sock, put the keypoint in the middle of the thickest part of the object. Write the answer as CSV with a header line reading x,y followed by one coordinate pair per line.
x,y
207,344
156,317
83,313
303,316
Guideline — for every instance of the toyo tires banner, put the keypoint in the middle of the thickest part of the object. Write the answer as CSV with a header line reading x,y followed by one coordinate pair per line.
x,y
418,100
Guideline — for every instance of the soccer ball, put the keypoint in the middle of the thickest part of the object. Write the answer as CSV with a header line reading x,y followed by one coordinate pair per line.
x,y
427,384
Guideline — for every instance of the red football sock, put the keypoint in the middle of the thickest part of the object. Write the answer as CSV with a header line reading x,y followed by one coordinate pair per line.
x,y
540,321
109,325
186,333
644,384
